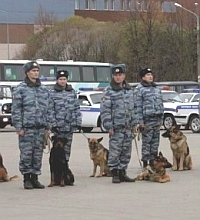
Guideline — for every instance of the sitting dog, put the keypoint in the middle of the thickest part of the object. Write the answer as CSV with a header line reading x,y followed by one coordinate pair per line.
x,y
178,142
156,171
99,156
4,174
59,168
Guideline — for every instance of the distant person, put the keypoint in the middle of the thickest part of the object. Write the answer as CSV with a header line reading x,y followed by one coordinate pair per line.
x,y
118,118
31,112
150,113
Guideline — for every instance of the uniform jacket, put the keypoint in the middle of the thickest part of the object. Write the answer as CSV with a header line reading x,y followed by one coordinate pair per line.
x,y
31,106
149,101
117,107
66,108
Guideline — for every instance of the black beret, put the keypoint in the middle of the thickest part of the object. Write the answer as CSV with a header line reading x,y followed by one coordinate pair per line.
x,y
30,65
144,71
61,73
117,69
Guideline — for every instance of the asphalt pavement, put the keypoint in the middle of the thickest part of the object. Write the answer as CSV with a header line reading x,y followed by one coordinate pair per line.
x,y
97,198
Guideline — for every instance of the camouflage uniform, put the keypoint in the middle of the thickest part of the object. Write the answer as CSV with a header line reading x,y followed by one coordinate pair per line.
x,y
117,114
31,112
66,114
150,111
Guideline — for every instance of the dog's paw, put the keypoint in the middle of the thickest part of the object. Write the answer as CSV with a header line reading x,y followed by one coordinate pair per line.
x,y
174,168
100,175
50,185
92,175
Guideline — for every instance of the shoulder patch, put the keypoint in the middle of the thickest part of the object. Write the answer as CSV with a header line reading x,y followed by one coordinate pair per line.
x,y
103,99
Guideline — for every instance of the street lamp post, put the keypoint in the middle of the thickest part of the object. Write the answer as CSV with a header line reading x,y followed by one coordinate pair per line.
x,y
7,34
198,38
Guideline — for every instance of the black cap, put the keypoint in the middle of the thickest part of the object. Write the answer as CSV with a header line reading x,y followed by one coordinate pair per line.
x,y
61,73
117,69
30,65
144,71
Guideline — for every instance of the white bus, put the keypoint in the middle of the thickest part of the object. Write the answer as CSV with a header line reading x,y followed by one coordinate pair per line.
x,y
81,74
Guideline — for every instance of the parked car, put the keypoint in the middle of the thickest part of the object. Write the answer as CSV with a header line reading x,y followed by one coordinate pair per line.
x,y
170,100
187,114
90,110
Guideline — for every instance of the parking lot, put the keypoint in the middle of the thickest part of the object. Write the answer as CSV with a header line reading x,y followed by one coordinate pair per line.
x,y
97,198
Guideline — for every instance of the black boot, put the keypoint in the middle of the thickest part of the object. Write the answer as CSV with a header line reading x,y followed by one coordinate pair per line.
x,y
27,182
124,178
35,182
145,163
115,174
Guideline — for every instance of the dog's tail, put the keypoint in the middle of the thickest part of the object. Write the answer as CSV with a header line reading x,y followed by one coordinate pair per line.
x,y
15,177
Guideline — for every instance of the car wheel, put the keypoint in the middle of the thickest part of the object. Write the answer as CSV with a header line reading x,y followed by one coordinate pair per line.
x,y
168,121
195,124
102,128
87,129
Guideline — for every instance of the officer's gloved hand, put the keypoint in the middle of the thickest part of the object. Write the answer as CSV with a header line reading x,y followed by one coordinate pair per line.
x,y
141,127
54,129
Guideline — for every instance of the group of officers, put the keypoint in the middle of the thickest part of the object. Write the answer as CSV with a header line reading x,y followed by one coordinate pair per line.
x,y
37,112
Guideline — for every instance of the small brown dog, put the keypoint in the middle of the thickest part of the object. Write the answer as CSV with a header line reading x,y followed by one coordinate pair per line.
x,y
178,142
156,172
4,174
99,156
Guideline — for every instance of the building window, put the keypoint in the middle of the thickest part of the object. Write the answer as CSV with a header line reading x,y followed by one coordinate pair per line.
x,y
93,6
87,4
144,5
122,5
77,4
112,4
128,5
137,6
106,4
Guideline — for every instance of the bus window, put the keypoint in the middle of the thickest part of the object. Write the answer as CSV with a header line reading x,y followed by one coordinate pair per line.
x,y
47,71
88,74
13,72
74,72
103,74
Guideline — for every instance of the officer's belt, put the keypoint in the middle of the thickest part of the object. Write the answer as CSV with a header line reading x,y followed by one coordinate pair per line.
x,y
34,127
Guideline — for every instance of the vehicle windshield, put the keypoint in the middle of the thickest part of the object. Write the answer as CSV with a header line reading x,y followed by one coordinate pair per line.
x,y
186,97
5,92
96,98
171,97
189,97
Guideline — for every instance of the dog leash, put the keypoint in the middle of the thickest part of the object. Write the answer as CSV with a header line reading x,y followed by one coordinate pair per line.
x,y
47,143
83,134
137,136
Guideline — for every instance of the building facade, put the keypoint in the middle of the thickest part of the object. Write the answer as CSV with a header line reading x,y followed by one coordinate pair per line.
x,y
18,20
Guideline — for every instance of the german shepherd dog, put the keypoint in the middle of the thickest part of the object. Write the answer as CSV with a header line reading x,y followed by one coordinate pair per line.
x,y
59,168
4,174
99,156
178,142
156,172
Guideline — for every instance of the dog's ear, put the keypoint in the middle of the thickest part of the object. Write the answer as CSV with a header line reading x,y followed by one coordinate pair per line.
x,y
100,139
88,140
160,154
177,128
